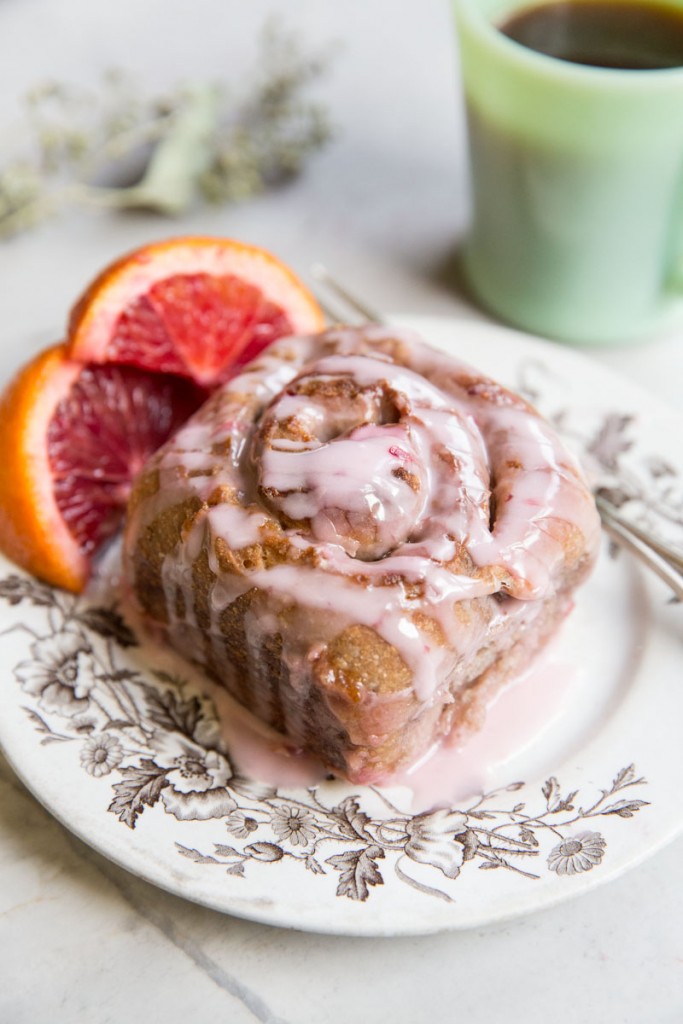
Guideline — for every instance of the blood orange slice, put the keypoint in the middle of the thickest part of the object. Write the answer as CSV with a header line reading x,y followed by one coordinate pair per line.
x,y
74,436
192,306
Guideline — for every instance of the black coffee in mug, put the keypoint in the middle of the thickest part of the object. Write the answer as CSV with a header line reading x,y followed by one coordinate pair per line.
x,y
629,34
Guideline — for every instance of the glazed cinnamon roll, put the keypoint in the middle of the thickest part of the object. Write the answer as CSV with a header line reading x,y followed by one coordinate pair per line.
x,y
361,539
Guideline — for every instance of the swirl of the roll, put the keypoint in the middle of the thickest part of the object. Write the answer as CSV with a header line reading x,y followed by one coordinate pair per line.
x,y
392,468
336,454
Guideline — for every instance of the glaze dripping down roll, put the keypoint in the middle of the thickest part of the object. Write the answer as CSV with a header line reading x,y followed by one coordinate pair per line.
x,y
361,539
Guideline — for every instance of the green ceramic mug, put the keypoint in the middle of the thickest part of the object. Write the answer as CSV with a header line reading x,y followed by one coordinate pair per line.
x,y
577,180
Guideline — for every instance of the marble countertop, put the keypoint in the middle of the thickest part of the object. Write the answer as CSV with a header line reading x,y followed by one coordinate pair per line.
x,y
81,940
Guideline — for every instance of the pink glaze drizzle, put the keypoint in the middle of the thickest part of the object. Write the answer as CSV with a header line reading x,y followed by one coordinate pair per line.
x,y
395,486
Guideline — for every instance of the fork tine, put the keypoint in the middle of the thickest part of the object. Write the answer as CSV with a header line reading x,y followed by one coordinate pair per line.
x,y
610,515
643,550
322,274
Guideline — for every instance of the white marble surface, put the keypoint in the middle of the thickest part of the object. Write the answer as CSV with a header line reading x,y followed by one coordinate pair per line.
x,y
80,939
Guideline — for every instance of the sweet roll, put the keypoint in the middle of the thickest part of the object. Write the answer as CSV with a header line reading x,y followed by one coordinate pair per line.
x,y
361,538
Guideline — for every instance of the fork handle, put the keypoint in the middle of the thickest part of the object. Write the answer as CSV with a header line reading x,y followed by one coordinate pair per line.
x,y
624,536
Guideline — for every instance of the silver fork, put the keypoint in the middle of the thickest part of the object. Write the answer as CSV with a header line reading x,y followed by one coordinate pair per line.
x,y
340,306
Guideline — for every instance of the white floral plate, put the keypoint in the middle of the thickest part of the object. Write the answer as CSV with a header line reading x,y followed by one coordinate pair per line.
x,y
127,754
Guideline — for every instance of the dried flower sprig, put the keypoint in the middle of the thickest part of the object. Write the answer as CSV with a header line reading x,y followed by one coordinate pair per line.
x,y
115,149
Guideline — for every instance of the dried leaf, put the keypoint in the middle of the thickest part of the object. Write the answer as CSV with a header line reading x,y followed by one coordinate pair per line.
x,y
616,496
566,804
226,851
120,150
358,871
107,622
170,182
470,843
170,711
15,589
660,468
236,869
350,820
527,836
195,855
625,808
140,787
610,442
551,792
624,777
